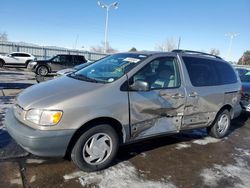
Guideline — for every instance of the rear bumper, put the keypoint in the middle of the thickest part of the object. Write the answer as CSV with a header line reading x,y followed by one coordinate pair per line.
x,y
245,107
38,142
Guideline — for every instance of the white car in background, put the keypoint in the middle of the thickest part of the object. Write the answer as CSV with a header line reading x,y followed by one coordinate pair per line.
x,y
16,58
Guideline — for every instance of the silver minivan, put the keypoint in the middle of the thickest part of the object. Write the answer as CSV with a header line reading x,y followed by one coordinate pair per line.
x,y
121,99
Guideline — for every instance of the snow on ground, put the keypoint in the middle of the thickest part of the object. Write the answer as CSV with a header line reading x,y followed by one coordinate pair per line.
x,y
182,146
122,175
237,174
4,106
17,77
243,152
35,161
206,140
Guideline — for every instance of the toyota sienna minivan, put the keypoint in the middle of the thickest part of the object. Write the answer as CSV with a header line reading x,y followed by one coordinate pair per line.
x,y
124,98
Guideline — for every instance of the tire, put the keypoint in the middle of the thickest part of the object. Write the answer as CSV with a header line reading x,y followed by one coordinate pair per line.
x,y
2,63
99,142
221,125
42,70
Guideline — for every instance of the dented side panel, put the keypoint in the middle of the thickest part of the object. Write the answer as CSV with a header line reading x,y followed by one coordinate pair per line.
x,y
156,112
200,111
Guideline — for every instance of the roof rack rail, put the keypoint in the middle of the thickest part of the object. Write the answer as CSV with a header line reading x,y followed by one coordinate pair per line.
x,y
195,52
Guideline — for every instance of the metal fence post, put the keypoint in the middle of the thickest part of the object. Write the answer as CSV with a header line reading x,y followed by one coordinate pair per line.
x,y
44,53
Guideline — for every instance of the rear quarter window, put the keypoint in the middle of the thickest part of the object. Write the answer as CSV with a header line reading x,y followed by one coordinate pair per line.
x,y
226,72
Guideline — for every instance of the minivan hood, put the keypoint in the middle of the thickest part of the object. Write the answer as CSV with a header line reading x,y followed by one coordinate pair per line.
x,y
49,93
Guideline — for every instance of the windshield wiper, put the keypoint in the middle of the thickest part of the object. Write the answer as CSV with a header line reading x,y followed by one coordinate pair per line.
x,y
83,77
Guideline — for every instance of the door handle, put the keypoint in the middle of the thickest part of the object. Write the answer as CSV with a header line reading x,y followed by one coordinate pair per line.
x,y
174,96
193,94
177,96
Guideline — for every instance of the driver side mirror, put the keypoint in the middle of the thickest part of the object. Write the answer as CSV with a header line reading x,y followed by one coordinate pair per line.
x,y
139,85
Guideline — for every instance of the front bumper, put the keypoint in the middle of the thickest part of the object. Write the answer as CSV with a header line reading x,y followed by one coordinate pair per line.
x,y
32,67
38,142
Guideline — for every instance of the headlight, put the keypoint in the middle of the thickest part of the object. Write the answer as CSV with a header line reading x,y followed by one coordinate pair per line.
x,y
33,63
44,117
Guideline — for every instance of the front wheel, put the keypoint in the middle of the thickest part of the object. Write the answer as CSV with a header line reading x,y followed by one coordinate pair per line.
x,y
221,125
96,148
42,70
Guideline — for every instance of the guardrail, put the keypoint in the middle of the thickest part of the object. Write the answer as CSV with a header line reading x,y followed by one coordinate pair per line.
x,y
41,52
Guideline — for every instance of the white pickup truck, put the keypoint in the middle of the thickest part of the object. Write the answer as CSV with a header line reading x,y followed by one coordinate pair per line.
x,y
16,58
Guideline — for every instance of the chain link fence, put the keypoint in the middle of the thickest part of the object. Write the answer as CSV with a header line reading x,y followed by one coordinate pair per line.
x,y
41,52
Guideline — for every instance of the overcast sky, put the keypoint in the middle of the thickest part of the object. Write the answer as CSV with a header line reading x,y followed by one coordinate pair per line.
x,y
143,24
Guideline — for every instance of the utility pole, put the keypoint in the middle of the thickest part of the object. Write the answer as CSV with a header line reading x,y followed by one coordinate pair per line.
x,y
231,36
179,43
107,7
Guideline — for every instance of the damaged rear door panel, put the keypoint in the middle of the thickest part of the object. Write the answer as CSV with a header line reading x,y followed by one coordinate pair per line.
x,y
158,110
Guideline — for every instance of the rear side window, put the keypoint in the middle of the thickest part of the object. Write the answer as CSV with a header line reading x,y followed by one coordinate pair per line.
x,y
24,55
226,72
201,72
20,55
79,59
206,72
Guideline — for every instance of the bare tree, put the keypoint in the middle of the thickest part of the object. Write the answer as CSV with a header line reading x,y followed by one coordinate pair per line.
x,y
100,48
214,51
3,36
167,46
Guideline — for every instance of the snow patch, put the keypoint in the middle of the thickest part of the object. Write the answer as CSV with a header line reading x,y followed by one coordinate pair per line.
x,y
33,179
182,146
17,181
206,140
236,174
122,175
144,155
243,152
36,161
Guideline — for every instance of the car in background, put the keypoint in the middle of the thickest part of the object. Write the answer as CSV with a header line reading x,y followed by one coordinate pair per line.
x,y
60,73
244,74
16,58
70,70
56,63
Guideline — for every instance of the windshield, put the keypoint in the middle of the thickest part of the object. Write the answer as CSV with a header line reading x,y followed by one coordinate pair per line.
x,y
110,68
78,67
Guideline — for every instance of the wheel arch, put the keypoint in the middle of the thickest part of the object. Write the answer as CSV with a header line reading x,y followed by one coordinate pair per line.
x,y
101,120
226,107
2,60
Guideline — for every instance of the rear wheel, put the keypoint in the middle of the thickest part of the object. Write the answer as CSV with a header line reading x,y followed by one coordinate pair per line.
x,y
221,125
96,148
2,63
42,70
